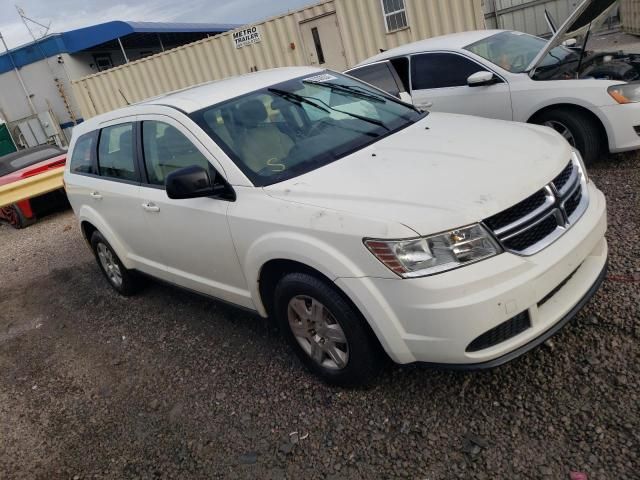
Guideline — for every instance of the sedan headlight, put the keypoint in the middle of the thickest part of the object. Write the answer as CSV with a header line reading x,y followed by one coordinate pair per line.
x,y
420,257
625,93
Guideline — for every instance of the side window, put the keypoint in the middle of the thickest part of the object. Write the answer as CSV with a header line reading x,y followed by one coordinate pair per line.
x,y
167,150
441,70
378,75
115,153
82,157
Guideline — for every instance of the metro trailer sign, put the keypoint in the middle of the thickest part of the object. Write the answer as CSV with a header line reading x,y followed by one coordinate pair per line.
x,y
248,36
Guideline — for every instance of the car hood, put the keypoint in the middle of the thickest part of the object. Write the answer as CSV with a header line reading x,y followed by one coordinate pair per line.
x,y
444,172
588,13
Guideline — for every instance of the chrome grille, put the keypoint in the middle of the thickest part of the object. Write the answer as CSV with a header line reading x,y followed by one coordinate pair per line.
x,y
540,219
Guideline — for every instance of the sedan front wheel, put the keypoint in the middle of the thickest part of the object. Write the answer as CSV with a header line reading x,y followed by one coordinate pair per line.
x,y
577,128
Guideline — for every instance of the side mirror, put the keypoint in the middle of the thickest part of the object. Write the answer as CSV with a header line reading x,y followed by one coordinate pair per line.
x,y
481,79
189,182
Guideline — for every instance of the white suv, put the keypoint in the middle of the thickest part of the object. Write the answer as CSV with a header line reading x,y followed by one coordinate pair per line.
x,y
362,225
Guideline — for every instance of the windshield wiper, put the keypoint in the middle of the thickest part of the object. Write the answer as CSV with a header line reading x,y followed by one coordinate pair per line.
x,y
297,99
364,118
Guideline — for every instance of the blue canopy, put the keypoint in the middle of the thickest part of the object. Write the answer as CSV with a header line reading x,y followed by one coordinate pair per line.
x,y
84,38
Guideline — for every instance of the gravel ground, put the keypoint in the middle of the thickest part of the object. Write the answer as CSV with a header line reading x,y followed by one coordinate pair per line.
x,y
170,385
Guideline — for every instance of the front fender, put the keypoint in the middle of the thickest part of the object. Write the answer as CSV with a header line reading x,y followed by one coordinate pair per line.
x,y
296,247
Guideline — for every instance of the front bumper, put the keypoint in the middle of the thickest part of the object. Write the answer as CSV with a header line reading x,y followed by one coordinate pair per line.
x,y
434,319
620,123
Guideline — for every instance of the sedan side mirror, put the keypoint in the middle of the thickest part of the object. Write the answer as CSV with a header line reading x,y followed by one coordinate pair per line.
x,y
482,79
189,182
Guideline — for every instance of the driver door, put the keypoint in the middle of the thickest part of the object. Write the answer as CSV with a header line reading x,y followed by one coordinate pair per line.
x,y
190,239
439,83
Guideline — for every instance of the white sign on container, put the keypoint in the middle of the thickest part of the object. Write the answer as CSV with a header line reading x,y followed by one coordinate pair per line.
x,y
248,36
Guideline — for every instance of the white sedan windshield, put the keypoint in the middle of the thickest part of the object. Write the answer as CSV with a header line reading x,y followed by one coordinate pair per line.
x,y
514,51
302,124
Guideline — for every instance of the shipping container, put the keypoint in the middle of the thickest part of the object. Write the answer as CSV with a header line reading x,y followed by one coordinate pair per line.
x,y
334,34
630,16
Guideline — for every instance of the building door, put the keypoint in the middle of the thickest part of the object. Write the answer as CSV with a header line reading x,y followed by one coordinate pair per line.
x,y
323,43
6,142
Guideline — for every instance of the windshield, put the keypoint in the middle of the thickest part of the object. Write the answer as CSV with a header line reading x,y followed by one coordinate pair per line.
x,y
514,51
23,159
302,124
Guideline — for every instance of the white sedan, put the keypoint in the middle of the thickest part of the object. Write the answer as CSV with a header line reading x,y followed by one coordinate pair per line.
x,y
591,99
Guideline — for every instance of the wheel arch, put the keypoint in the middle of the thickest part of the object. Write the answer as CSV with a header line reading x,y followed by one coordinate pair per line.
x,y
276,269
90,221
580,109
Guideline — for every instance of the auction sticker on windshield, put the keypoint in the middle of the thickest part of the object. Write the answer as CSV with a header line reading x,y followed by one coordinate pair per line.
x,y
325,77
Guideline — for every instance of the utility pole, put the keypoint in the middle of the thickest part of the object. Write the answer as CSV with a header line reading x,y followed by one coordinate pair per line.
x,y
15,68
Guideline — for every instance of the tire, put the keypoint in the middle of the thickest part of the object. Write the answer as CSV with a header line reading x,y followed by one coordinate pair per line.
x,y
583,132
359,356
123,281
13,216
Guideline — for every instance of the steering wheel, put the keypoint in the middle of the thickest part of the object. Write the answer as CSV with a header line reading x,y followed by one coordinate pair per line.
x,y
519,62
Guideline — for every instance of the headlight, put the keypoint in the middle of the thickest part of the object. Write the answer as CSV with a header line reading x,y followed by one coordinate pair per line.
x,y
583,168
419,257
625,93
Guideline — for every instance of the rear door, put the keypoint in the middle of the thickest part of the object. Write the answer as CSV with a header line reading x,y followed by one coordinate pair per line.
x,y
191,237
439,82
115,193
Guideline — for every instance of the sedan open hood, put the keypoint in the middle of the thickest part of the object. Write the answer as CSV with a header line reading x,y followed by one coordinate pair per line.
x,y
586,14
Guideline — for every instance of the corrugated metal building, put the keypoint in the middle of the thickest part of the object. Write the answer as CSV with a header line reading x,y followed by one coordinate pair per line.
x,y
334,34
36,98
630,16
528,15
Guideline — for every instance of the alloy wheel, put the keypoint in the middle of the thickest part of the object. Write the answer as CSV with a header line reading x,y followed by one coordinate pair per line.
x,y
562,129
109,264
318,332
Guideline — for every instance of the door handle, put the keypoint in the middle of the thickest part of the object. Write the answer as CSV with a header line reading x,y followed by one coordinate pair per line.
x,y
151,207
96,195
424,105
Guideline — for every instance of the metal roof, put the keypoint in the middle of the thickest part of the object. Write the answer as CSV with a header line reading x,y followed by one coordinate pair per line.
x,y
84,38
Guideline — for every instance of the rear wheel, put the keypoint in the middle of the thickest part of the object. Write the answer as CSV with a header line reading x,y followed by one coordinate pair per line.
x,y
580,130
124,281
327,333
14,217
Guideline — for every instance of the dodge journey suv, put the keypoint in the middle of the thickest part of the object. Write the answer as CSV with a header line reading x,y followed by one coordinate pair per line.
x,y
365,227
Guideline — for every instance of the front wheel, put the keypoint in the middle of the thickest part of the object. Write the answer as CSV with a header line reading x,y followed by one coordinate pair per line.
x,y
580,130
327,333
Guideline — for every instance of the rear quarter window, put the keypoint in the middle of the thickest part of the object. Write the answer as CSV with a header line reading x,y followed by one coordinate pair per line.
x,y
378,75
82,158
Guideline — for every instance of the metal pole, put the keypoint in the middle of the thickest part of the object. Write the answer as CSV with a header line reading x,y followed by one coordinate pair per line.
x,y
160,40
123,52
24,87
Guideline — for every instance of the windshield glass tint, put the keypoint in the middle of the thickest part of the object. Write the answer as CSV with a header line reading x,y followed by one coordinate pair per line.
x,y
297,126
514,51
